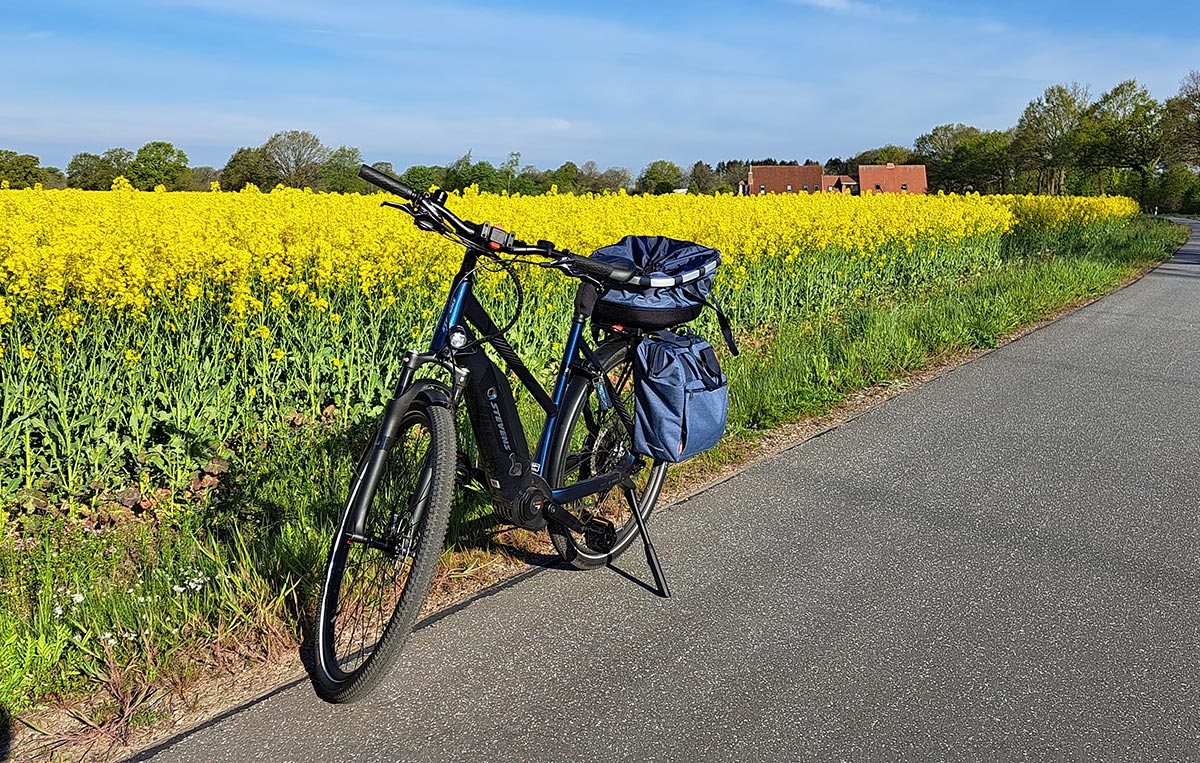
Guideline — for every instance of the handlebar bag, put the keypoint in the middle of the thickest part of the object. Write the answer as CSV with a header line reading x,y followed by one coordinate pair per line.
x,y
665,259
681,398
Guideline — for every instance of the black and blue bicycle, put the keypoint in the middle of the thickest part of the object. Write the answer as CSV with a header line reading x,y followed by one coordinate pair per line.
x,y
583,482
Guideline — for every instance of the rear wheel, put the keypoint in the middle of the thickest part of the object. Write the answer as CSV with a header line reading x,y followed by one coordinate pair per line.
x,y
379,575
592,440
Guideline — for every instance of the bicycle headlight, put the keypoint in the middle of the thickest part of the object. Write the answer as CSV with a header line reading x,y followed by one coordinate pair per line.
x,y
458,338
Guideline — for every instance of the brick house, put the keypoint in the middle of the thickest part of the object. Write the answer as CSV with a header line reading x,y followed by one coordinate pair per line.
x,y
784,179
892,178
838,184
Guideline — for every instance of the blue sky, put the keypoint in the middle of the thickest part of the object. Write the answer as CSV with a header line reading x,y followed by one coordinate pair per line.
x,y
621,82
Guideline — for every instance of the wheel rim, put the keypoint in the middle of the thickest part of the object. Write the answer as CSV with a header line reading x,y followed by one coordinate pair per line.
x,y
368,574
598,443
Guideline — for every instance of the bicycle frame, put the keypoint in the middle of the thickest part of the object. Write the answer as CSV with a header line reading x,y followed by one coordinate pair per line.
x,y
510,470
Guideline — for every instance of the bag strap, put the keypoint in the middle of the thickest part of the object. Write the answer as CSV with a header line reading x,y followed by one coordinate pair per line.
x,y
722,319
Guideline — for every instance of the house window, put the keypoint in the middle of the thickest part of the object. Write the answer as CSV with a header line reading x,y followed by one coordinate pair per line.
x,y
806,187
789,187
904,186
762,189
877,188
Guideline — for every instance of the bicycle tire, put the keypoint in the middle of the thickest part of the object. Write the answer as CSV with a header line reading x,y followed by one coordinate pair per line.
x,y
364,617
587,442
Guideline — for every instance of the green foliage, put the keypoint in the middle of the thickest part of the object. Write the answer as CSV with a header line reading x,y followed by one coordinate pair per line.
x,y
659,177
702,178
157,163
19,170
339,173
246,166
294,158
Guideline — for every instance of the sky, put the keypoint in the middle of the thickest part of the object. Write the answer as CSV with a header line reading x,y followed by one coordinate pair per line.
x,y
621,82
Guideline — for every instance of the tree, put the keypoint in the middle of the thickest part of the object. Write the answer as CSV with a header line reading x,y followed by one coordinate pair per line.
x,y
422,177
732,172
20,170
199,179
702,178
294,158
566,177
52,177
981,163
157,163
882,155
615,179
339,173
246,166
933,149
89,172
1124,130
119,159
1182,122
659,177
1047,140
463,173
509,170
839,166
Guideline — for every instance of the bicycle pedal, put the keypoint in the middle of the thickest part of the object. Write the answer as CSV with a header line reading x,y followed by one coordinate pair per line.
x,y
600,533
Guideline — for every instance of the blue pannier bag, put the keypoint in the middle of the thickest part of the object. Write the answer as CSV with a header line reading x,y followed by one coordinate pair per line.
x,y
680,396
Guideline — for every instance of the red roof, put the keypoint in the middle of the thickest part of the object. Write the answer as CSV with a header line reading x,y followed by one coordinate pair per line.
x,y
785,178
892,178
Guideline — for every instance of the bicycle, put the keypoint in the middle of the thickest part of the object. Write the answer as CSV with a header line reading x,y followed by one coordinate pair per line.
x,y
582,483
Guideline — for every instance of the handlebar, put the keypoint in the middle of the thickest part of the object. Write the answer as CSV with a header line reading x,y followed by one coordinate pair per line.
x,y
386,182
431,214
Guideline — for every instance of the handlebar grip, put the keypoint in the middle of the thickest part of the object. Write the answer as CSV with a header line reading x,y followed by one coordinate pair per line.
x,y
601,269
386,182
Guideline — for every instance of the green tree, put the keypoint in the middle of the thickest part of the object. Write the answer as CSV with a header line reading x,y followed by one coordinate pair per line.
x,y
199,179
20,170
1182,122
509,171
702,178
294,158
1124,130
615,178
339,173
934,148
1171,187
1048,137
660,176
422,177
91,172
53,177
157,163
246,165
732,171
981,163
119,159
882,155
566,177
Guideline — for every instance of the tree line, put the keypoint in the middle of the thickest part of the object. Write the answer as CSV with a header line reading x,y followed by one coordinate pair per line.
x,y
1065,142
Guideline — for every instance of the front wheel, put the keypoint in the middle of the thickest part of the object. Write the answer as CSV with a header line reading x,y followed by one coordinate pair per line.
x,y
385,552
592,440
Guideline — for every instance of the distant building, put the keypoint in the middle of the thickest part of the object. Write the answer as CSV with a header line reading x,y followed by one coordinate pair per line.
x,y
786,178
811,178
839,184
892,178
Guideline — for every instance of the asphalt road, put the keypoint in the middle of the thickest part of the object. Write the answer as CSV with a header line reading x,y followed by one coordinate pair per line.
x,y
1001,564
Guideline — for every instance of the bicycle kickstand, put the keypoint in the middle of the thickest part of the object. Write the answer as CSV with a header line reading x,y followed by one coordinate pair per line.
x,y
660,580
